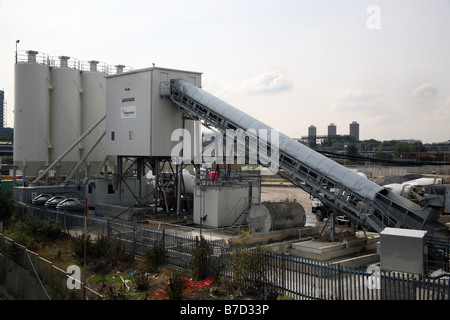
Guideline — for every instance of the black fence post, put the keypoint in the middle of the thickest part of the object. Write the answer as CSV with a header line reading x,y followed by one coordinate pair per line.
x,y
163,241
133,244
283,271
107,229
340,286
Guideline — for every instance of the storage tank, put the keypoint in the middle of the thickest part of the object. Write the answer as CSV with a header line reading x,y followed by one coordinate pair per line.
x,y
93,107
189,181
272,216
31,111
65,109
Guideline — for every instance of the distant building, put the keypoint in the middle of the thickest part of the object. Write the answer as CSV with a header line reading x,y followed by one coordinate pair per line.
x,y
4,132
332,136
354,130
2,110
312,135
332,130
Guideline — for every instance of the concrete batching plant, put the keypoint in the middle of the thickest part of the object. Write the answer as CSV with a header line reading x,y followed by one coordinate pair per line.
x,y
62,104
114,131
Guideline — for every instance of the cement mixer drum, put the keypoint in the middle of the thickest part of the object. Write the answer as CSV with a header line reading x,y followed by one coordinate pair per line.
x,y
271,216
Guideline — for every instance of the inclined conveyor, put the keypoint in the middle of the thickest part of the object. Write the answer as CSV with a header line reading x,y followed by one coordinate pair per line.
x,y
351,194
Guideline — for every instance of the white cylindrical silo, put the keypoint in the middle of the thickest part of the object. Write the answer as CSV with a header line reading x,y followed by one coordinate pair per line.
x,y
93,107
65,112
31,112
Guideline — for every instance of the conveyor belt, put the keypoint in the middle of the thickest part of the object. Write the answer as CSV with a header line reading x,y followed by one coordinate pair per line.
x,y
351,194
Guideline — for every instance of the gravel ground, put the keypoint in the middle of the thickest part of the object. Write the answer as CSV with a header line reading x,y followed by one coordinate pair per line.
x,y
397,179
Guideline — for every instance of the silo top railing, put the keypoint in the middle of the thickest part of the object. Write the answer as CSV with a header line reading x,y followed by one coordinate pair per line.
x,y
31,56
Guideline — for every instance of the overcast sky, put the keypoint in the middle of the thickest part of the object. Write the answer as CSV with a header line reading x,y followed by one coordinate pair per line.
x,y
290,64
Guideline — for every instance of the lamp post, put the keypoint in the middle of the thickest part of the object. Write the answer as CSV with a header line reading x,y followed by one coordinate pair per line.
x,y
17,42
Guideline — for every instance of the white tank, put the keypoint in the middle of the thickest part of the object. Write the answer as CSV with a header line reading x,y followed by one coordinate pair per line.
x,y
189,182
93,107
31,112
65,112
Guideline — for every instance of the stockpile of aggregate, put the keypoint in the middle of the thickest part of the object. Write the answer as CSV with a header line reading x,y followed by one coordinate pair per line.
x,y
397,179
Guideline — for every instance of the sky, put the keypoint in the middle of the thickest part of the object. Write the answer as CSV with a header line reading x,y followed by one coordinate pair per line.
x,y
288,63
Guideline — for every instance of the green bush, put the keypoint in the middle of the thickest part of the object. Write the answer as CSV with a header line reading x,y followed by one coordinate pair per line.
x,y
112,250
78,247
6,207
19,232
284,297
100,247
118,252
155,257
248,265
29,230
200,260
176,286
141,280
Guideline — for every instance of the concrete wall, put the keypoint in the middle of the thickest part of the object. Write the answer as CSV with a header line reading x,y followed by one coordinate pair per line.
x,y
17,283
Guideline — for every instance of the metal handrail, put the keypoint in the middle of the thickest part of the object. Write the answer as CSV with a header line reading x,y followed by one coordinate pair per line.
x,y
30,56
39,58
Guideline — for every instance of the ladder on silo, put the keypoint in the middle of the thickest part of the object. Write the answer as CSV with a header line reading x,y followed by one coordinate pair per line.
x,y
199,190
202,203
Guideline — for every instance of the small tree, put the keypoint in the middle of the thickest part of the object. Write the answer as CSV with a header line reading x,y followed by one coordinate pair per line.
x,y
155,257
141,280
200,260
248,266
176,286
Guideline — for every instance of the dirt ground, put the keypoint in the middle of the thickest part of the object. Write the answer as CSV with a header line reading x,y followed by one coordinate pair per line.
x,y
289,193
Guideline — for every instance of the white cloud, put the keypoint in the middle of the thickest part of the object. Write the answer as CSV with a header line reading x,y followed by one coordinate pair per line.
x,y
447,102
268,82
247,48
424,90
441,114
353,100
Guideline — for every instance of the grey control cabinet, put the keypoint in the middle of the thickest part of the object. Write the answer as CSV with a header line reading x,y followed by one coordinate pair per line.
x,y
402,250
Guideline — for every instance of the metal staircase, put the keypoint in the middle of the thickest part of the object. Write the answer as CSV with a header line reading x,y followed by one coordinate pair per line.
x,y
360,199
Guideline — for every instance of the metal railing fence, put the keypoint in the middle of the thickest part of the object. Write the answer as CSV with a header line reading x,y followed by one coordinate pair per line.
x,y
52,279
302,278
296,277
